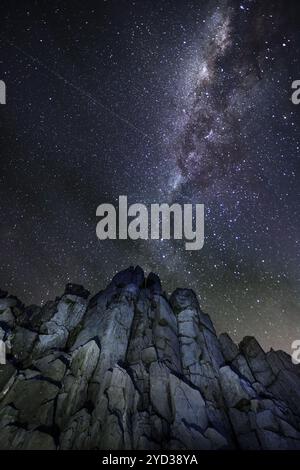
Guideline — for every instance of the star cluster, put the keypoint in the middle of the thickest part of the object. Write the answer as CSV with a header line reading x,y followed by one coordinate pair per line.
x,y
163,102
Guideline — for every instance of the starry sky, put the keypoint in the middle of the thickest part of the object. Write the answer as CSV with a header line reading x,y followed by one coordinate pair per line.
x,y
170,101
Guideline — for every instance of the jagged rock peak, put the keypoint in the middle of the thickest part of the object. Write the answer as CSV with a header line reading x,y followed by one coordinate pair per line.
x,y
131,368
76,289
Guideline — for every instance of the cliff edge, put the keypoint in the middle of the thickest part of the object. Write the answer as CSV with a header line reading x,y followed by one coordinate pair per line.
x,y
131,368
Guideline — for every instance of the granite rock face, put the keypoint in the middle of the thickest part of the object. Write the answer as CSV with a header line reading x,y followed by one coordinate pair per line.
x,y
132,369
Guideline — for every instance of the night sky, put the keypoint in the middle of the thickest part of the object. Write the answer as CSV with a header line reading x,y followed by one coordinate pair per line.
x,y
173,101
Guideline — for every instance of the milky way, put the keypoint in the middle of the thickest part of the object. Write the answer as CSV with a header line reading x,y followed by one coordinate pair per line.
x,y
163,102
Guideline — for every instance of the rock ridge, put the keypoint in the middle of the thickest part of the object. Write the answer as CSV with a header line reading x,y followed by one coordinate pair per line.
x,y
130,368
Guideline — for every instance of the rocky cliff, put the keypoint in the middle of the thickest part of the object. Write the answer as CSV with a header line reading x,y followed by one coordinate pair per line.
x,y
131,368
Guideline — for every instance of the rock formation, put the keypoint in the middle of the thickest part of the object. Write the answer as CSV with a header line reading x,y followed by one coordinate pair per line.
x,y
131,368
